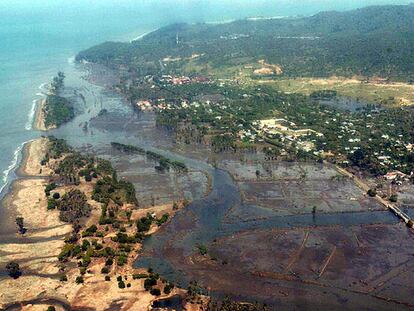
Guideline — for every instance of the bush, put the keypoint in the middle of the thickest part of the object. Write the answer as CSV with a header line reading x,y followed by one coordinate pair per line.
x,y
372,192
63,278
129,285
85,245
168,288
79,279
66,252
109,262
51,308
202,250
163,219
89,231
144,223
394,198
88,178
105,270
51,204
149,283
155,292
107,278
139,276
76,250
56,196
13,269
49,188
121,284
122,260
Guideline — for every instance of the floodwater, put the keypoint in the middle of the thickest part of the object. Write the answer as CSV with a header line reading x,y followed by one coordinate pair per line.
x,y
345,103
285,259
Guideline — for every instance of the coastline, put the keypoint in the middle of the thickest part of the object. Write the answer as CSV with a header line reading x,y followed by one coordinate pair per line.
x,y
37,250
39,120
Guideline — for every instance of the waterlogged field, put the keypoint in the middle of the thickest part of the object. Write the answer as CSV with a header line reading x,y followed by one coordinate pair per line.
x,y
263,240
281,188
159,188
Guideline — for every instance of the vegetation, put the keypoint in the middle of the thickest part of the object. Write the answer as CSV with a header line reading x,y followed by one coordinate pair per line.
x,y
372,192
127,148
58,110
114,237
73,206
371,41
394,198
20,225
202,249
229,305
13,270
110,188
56,148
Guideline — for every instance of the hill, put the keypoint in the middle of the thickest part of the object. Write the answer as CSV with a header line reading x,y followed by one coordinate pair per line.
x,y
372,41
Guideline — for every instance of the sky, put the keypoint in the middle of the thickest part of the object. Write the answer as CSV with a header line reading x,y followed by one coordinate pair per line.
x,y
284,7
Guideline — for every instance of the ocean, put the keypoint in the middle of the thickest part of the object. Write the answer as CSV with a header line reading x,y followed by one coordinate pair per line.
x,y
40,38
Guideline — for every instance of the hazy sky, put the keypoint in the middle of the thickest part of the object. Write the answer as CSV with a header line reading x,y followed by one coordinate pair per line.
x,y
283,6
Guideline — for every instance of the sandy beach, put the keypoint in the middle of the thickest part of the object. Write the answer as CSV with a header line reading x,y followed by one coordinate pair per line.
x,y
39,121
37,250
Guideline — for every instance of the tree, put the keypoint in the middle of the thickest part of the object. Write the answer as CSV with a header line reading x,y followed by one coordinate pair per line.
x,y
13,269
20,224
121,284
372,192
51,308
155,292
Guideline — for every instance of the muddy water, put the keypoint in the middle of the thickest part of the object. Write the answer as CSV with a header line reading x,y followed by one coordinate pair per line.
x,y
345,103
172,251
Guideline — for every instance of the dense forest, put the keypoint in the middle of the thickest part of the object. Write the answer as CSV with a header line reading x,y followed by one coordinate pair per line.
x,y
372,41
58,110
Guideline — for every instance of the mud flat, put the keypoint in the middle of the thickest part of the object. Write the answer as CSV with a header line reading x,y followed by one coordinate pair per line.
x,y
264,243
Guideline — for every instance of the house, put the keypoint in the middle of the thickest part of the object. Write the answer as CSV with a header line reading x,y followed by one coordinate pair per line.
x,y
395,175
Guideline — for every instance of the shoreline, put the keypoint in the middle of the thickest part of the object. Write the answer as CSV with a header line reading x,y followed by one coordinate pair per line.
x,y
39,119
37,250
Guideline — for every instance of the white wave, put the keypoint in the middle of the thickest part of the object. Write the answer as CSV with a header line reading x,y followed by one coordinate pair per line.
x,y
30,116
12,165
259,18
42,86
219,22
71,60
141,36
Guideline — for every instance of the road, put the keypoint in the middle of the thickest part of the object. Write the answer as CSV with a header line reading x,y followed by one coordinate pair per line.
x,y
365,187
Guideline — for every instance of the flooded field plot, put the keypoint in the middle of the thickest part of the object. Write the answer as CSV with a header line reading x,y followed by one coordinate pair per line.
x,y
288,189
155,187
339,263
278,170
